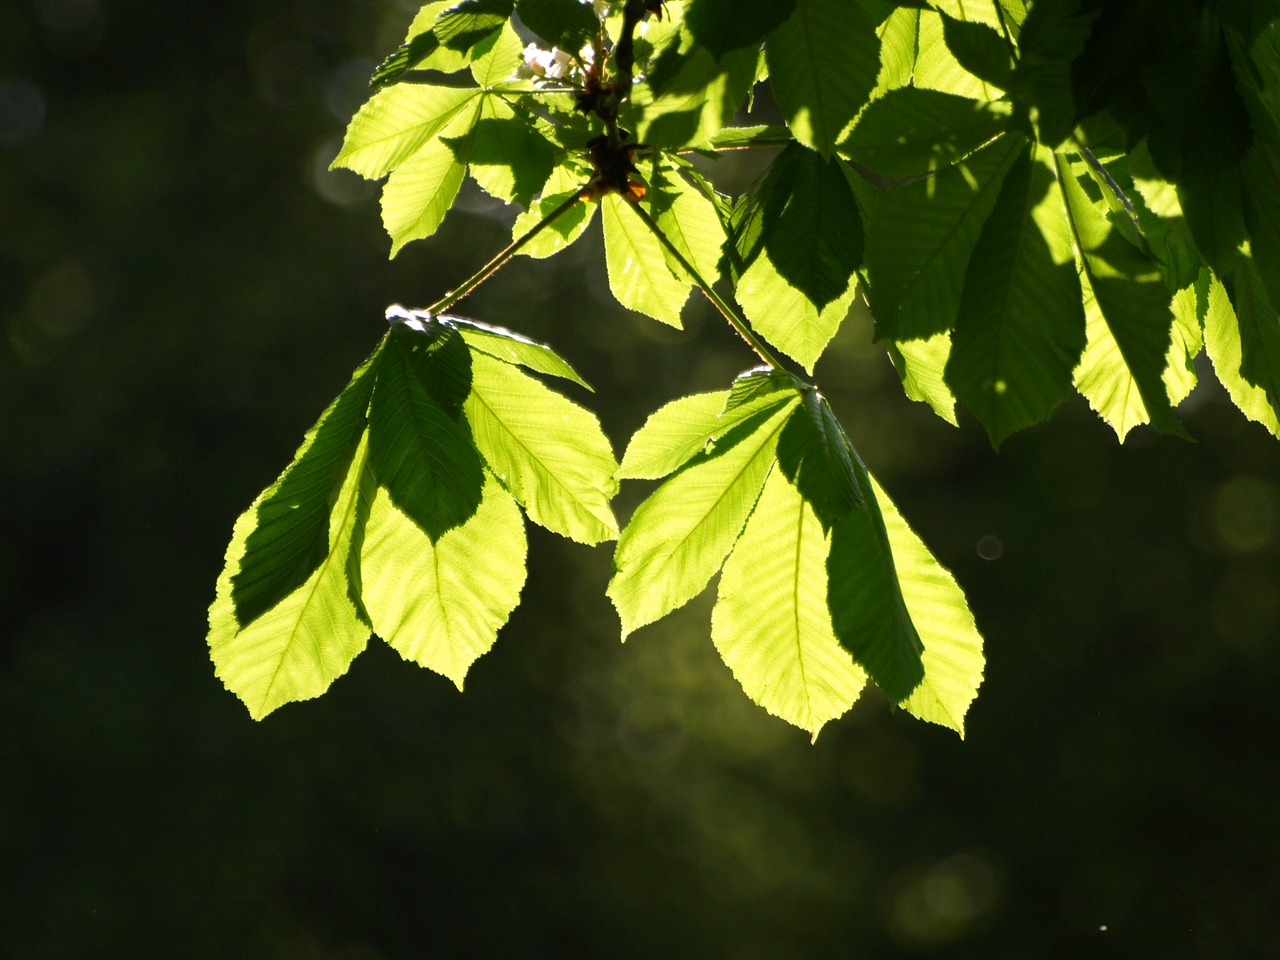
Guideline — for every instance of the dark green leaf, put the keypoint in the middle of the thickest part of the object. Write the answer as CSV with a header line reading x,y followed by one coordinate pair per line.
x,y
1262,215
823,62
1020,328
1259,332
441,363
463,26
420,453
725,25
920,237
567,24
868,611
290,537
690,95
506,154
911,131
406,57
813,452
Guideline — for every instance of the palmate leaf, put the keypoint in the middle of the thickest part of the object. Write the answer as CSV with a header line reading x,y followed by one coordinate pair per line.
x,y
920,238
289,533
1125,359
420,452
638,273
823,62
440,602
547,451
680,536
1020,328
296,648
770,623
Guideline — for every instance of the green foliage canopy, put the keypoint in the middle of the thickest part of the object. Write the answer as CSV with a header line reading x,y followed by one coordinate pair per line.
x,y
1033,198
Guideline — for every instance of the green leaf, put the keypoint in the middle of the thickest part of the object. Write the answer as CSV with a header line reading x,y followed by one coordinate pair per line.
x,y
1020,329
937,68
813,453
726,25
565,181
920,238
1222,342
759,385
512,347
1185,344
1259,331
420,191
1261,197
1130,295
823,63
785,316
770,623
898,32
567,24
920,365
980,50
681,534
690,95
419,452
868,611
307,639
690,222
506,154
638,273
913,131
466,24
405,58
441,362
684,428
290,536
497,56
547,451
952,660
736,138
441,602
396,123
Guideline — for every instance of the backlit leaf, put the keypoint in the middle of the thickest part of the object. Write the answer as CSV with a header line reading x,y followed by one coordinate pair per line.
x,y
770,623
567,24
814,454
512,347
441,602
396,123
638,273
681,534
920,365
1222,344
546,450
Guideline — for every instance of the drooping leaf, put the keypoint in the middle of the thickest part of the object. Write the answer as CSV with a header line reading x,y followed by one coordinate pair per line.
x,y
920,365
546,450
913,131
785,316
506,154
920,238
298,646
396,123
823,62
290,536
1130,295
680,430
638,273
512,347
441,363
679,537
691,223
725,25
953,661
441,602
864,596
1222,344
1020,328
770,623
1259,331
758,385
814,454
567,24
420,452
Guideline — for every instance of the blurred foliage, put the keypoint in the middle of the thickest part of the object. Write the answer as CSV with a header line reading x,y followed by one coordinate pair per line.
x,y
182,286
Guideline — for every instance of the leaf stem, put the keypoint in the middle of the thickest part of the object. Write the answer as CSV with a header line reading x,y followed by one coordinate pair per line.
x,y
494,265
739,325
1103,172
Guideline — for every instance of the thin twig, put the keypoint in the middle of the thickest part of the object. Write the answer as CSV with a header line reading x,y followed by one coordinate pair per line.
x,y
492,267
738,324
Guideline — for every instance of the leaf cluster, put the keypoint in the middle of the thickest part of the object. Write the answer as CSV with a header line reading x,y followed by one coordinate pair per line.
x,y
1033,198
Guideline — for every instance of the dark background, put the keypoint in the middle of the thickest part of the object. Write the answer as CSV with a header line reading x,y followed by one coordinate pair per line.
x,y
183,288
